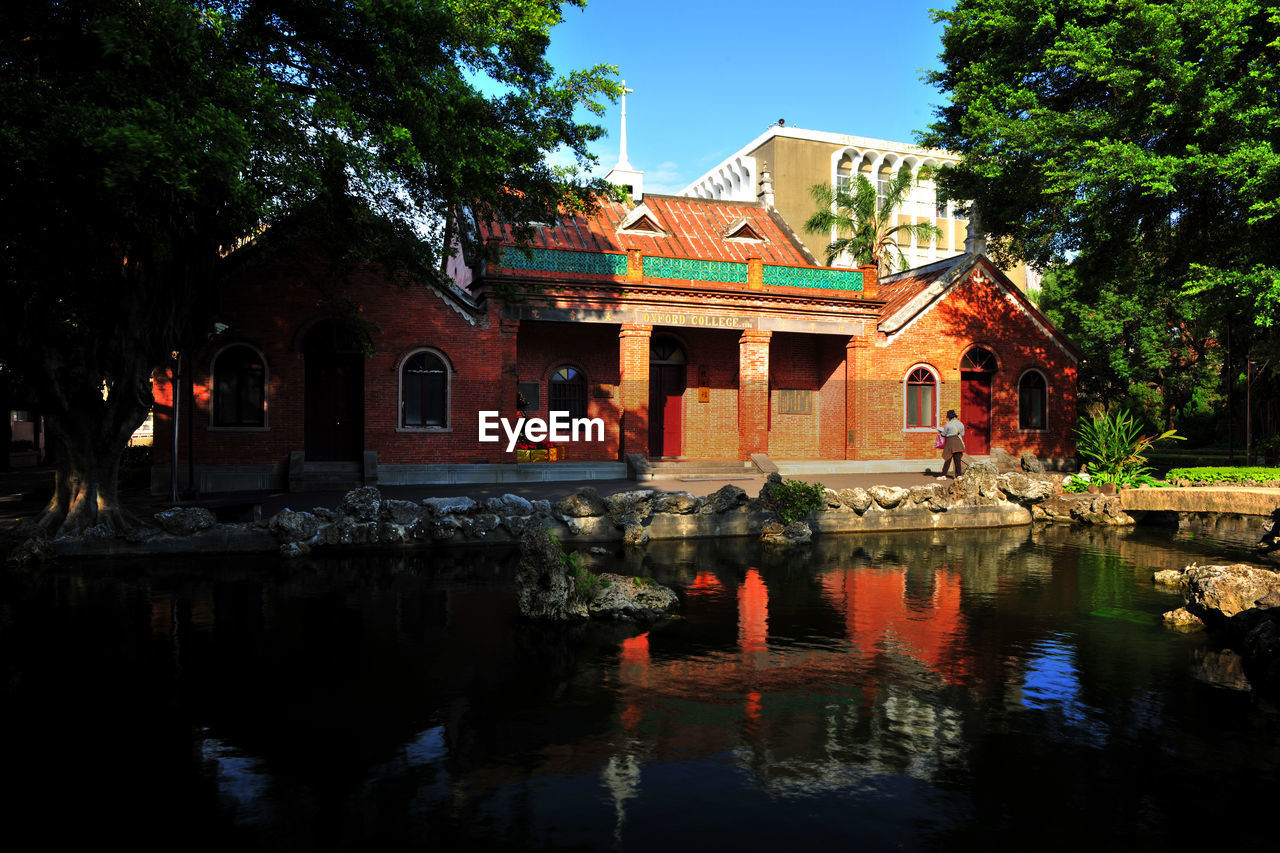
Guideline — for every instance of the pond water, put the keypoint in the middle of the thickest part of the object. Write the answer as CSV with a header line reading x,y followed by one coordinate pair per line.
x,y
1002,689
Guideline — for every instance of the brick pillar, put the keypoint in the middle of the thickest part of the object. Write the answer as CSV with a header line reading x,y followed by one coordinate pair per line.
x,y
633,388
856,368
504,396
753,392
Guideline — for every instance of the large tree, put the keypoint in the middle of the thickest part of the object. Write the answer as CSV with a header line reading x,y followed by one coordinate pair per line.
x,y
865,224
1137,144
144,140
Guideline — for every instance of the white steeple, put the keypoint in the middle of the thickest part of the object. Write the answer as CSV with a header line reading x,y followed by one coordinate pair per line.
x,y
622,174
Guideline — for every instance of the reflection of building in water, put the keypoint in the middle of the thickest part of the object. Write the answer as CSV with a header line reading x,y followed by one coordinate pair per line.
x,y
880,620
801,715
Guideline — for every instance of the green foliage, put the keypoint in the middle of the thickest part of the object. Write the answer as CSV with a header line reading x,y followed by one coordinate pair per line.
x,y
794,500
865,226
1214,476
1115,448
586,583
1134,144
144,140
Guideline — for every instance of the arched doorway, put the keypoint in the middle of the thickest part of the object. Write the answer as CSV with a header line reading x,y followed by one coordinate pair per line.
x,y
976,370
334,392
667,364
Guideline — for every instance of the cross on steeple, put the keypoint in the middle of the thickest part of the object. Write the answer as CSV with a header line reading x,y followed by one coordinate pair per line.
x,y
622,174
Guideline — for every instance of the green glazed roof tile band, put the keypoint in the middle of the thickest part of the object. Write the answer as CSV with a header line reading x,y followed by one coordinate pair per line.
x,y
825,279
731,272
560,260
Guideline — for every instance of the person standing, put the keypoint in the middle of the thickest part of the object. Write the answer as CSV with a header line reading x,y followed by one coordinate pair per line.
x,y
953,444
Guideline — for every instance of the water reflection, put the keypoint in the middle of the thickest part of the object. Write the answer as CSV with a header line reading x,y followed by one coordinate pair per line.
x,y
921,692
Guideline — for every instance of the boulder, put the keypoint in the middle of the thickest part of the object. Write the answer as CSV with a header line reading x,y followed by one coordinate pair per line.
x,y
545,586
1003,459
581,504
1024,489
679,503
362,504
623,505
727,498
390,533
1031,463
401,512
935,498
888,496
479,526
33,551
179,521
1183,619
795,533
978,484
832,498
634,533
290,526
449,506
348,531
1223,591
632,598
515,505
857,500
1170,577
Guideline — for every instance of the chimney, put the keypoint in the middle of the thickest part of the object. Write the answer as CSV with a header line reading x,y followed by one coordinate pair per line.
x,y
870,280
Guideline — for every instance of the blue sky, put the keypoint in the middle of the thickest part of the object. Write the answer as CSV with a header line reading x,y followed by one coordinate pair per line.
x,y
711,75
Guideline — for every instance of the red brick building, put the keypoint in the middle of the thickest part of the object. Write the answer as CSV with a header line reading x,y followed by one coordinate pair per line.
x,y
693,328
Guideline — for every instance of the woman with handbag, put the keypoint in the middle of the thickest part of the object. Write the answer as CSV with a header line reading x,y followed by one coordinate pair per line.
x,y
951,436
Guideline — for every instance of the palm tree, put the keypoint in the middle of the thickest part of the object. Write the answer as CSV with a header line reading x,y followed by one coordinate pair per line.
x,y
864,224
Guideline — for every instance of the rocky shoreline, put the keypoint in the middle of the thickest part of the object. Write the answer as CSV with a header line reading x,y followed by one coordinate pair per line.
x,y
366,519
1240,605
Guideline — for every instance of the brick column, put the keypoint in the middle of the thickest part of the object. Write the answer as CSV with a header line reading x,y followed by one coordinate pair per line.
x,y
856,358
633,388
753,392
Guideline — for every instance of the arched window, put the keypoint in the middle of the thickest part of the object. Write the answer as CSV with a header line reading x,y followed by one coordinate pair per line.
x,y
568,392
239,388
666,350
921,398
1032,401
979,359
424,391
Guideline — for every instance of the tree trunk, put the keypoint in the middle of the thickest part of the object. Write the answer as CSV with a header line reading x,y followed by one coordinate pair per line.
x,y
92,434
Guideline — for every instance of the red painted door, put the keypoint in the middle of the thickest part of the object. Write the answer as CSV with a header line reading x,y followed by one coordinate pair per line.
x,y
975,412
666,409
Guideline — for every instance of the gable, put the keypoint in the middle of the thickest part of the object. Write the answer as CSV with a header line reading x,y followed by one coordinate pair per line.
x,y
743,230
992,294
641,221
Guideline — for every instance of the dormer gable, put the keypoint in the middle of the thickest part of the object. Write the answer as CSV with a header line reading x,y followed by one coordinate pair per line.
x,y
742,230
641,221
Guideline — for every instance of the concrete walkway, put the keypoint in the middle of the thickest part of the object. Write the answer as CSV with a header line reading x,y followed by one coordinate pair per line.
x,y
1227,500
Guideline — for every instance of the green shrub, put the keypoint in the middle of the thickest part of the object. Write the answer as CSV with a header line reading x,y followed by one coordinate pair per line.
x,y
1112,443
794,500
586,583
1230,475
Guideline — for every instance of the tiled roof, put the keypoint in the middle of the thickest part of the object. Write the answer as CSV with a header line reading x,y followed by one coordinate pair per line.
x,y
899,289
692,228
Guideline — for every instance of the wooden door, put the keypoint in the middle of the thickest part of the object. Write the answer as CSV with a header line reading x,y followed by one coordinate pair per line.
x,y
666,409
334,406
975,412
